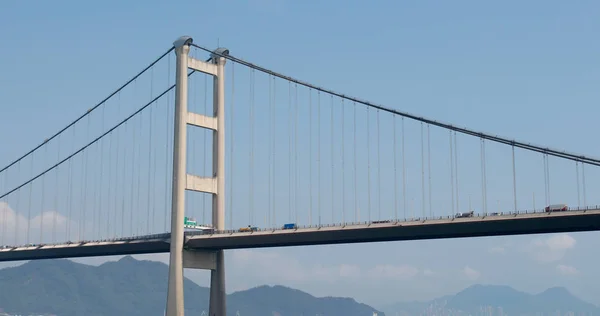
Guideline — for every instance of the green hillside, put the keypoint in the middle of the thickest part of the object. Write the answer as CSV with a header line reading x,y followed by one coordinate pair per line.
x,y
133,287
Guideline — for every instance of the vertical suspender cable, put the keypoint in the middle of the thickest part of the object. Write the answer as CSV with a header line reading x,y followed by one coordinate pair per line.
x,y
274,152
44,199
139,181
429,168
57,187
452,174
100,189
70,192
17,208
148,218
369,163
108,198
378,167
422,174
152,152
319,155
395,170
119,173
270,151
296,153
514,169
251,169
70,206
84,206
290,151
154,159
168,133
205,140
123,189
545,179
456,171
133,159
343,175
577,177
231,146
583,180
332,164
403,172
548,172
355,164
310,159
29,202
482,175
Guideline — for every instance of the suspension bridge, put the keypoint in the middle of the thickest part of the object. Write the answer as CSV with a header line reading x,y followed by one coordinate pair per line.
x,y
272,162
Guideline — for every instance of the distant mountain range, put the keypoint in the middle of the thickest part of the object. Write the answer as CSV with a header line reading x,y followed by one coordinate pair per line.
x,y
498,300
133,287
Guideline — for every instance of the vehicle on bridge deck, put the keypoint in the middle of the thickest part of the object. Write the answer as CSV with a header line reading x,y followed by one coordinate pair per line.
x,y
466,214
557,208
382,222
248,229
290,226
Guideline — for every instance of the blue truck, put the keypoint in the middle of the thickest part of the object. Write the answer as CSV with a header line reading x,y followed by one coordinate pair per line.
x,y
290,226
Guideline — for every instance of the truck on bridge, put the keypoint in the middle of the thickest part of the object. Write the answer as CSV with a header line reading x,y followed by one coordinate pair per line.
x,y
290,226
248,229
556,208
465,214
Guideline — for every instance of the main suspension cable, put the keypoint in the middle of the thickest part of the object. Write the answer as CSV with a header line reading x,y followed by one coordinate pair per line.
x,y
519,144
88,111
90,143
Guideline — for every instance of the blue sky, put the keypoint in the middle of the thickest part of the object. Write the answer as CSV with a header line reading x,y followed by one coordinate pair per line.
x,y
521,70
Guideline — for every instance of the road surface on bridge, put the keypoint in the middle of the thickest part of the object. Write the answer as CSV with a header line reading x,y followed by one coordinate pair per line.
x,y
480,226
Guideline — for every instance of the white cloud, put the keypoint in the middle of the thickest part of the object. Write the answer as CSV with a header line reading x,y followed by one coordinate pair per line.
x,y
471,273
16,229
551,249
566,270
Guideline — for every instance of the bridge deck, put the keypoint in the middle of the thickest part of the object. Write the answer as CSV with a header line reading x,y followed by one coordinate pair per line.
x,y
519,224
532,223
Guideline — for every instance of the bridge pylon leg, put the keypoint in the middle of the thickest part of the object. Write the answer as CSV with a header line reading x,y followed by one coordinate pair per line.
x,y
217,287
217,276
175,305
